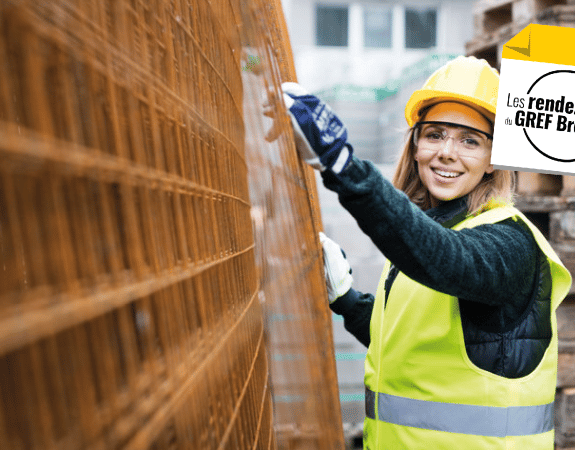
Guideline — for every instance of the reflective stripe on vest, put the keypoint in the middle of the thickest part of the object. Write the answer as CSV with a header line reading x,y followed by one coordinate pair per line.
x,y
456,418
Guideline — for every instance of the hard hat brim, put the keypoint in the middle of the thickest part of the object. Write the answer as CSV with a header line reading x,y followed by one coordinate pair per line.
x,y
424,98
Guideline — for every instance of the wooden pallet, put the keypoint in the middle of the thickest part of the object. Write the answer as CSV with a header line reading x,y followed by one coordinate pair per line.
x,y
530,183
558,15
494,18
492,34
491,15
568,185
489,46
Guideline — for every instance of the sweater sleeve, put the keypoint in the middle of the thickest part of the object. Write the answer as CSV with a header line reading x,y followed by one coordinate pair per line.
x,y
489,264
356,309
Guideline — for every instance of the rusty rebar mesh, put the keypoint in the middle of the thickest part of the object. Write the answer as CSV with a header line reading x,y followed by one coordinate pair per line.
x,y
135,309
307,412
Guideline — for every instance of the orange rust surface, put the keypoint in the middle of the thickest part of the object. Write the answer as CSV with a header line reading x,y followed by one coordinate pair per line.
x,y
161,282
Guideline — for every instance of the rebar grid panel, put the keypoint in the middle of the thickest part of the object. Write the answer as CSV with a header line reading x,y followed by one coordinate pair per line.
x,y
306,400
130,300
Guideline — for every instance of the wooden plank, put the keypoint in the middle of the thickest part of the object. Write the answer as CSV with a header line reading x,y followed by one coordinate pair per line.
x,y
538,183
544,203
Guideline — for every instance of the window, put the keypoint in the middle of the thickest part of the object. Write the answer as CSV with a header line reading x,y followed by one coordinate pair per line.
x,y
377,27
420,28
331,25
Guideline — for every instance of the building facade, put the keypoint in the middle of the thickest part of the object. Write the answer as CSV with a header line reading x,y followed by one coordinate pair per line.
x,y
368,43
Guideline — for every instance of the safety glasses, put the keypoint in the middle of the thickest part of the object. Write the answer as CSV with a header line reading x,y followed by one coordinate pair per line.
x,y
468,141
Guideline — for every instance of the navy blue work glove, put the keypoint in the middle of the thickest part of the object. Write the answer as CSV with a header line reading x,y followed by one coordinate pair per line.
x,y
321,138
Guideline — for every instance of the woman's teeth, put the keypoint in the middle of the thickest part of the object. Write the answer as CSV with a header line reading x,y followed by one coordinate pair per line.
x,y
446,174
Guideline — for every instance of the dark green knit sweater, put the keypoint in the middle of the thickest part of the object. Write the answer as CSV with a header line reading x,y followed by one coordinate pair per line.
x,y
490,267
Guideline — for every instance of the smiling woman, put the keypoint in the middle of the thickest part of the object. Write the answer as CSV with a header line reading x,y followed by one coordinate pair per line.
x,y
461,335
452,169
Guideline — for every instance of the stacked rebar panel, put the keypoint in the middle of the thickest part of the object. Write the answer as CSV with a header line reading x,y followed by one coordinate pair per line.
x,y
136,310
548,200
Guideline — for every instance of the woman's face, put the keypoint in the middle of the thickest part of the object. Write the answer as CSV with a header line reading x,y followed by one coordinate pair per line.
x,y
452,167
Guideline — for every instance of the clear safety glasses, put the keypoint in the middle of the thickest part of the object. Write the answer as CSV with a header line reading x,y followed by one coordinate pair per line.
x,y
467,141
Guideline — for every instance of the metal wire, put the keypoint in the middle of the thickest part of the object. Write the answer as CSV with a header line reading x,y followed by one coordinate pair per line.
x,y
136,310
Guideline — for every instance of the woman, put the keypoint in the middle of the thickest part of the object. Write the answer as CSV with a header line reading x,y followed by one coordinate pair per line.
x,y
461,335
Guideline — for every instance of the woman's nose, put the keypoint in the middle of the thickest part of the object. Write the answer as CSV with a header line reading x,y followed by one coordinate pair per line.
x,y
448,150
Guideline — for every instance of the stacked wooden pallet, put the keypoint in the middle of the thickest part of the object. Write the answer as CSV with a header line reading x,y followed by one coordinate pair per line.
x,y
497,21
549,201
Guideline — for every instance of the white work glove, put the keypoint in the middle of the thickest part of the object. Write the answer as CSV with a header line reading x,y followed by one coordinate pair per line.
x,y
338,277
321,138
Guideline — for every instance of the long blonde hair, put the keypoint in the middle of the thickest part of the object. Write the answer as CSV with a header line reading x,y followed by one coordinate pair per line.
x,y
495,188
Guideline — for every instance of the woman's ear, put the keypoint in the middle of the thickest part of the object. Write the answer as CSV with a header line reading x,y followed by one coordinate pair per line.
x,y
490,168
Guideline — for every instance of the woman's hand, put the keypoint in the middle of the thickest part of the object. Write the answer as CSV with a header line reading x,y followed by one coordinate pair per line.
x,y
338,277
321,138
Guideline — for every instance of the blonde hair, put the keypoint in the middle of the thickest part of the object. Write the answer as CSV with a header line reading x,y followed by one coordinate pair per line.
x,y
494,189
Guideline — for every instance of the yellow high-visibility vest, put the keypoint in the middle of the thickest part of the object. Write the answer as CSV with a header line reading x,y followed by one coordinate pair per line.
x,y
422,390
